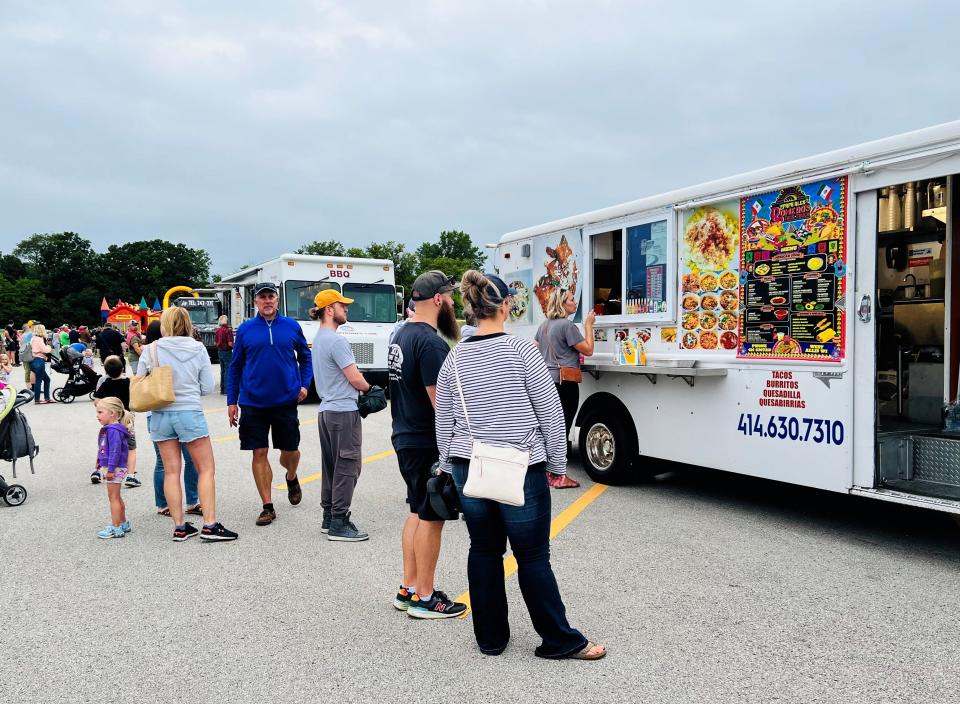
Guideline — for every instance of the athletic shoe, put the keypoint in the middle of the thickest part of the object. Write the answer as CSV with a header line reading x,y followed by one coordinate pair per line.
x,y
294,492
217,533
111,532
343,529
325,523
266,517
401,602
437,606
125,527
95,476
185,533
131,481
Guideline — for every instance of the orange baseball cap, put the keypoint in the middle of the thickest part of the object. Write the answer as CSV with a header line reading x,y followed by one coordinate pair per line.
x,y
328,297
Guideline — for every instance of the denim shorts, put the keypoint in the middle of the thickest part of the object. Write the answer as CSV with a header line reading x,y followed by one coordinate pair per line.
x,y
185,426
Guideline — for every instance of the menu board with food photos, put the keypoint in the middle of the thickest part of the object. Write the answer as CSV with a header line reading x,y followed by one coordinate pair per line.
x,y
793,245
709,297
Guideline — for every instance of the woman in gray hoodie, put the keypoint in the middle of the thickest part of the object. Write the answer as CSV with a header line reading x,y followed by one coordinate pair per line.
x,y
183,422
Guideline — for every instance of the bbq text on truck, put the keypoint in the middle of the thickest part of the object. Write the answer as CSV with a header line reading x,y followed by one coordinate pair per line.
x,y
799,323
369,282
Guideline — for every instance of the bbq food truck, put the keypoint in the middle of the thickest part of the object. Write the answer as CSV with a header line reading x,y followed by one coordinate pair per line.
x,y
797,323
300,277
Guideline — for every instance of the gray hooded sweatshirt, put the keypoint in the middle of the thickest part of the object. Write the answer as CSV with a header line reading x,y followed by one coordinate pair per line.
x,y
192,373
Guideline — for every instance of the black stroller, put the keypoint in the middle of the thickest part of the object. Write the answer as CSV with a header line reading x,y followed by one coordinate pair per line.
x,y
81,379
16,440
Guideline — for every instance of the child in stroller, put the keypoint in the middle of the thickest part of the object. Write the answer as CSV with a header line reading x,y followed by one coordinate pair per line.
x,y
16,440
81,379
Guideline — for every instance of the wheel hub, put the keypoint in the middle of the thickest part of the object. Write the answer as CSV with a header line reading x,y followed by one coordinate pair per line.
x,y
601,448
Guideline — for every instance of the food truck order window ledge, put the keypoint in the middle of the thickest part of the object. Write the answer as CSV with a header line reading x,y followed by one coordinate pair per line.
x,y
652,371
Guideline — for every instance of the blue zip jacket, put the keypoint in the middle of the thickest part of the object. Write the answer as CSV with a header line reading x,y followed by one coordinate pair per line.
x,y
271,361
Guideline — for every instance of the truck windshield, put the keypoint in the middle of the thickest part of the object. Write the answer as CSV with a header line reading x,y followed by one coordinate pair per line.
x,y
299,296
372,303
203,316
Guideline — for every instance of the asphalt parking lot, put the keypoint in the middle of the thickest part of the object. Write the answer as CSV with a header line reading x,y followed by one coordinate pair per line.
x,y
705,586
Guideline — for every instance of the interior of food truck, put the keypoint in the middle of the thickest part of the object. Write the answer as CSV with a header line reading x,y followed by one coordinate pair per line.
x,y
918,419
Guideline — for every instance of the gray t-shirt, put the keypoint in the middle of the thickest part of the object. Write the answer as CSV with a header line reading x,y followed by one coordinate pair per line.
x,y
331,354
556,339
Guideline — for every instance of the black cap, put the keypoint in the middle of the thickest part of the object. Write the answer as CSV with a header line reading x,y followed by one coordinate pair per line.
x,y
502,289
430,284
266,286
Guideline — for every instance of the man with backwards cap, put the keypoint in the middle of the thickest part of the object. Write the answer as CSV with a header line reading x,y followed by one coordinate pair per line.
x,y
339,384
416,355
268,376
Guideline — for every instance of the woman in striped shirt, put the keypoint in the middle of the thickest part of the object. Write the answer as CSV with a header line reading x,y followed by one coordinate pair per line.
x,y
512,401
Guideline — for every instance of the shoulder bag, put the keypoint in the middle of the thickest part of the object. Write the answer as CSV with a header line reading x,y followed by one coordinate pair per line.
x,y
155,390
566,373
496,473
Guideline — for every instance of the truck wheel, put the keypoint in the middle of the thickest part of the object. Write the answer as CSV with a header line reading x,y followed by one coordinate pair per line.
x,y
608,449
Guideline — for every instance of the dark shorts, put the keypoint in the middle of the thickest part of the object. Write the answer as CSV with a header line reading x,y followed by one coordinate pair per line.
x,y
257,423
415,464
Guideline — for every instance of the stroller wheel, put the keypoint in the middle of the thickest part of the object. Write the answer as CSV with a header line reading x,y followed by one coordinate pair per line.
x,y
62,396
15,495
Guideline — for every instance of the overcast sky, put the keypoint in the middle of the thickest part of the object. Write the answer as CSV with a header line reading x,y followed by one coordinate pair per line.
x,y
249,128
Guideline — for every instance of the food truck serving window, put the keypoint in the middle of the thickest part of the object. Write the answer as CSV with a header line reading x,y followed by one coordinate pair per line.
x,y
633,271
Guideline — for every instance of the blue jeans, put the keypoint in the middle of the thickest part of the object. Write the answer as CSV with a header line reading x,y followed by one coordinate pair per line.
x,y
224,358
39,368
189,477
527,527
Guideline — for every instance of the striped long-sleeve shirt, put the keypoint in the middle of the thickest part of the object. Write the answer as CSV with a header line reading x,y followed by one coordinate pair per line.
x,y
511,399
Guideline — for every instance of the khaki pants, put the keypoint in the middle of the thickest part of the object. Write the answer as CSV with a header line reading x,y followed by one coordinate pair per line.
x,y
340,440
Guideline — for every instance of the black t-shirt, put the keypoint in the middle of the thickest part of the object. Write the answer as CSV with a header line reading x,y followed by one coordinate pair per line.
x,y
415,357
119,388
109,341
74,336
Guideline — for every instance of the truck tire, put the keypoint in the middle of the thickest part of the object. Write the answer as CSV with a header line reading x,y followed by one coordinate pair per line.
x,y
608,448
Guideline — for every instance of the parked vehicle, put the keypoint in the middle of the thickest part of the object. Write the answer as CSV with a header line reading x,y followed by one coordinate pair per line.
x,y
794,325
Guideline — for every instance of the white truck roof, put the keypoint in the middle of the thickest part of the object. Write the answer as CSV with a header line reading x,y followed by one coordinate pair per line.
x,y
939,138
306,259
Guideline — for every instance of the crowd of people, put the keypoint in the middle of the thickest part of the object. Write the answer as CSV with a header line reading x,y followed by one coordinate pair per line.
x,y
493,387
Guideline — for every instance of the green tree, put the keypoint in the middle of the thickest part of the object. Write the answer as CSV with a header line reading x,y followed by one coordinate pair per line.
x,y
136,269
22,300
454,245
11,268
324,248
67,268
404,262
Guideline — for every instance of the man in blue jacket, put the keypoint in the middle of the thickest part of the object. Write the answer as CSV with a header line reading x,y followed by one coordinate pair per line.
x,y
269,375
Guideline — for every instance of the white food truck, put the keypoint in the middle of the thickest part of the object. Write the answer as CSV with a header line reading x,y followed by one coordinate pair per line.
x,y
369,282
798,323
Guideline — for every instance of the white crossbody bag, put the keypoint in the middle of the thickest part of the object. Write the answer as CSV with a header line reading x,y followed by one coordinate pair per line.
x,y
496,473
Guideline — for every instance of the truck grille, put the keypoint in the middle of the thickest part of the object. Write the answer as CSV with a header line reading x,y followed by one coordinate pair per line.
x,y
362,352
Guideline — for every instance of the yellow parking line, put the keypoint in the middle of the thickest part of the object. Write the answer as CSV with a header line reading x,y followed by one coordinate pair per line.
x,y
315,477
556,527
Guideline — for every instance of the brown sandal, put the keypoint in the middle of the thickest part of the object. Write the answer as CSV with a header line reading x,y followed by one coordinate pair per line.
x,y
561,481
587,652
195,510
163,511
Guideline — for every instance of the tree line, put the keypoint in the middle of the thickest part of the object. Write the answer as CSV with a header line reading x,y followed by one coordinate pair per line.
x,y
59,277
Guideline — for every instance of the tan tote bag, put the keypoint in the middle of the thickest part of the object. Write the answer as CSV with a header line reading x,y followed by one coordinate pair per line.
x,y
155,390
496,473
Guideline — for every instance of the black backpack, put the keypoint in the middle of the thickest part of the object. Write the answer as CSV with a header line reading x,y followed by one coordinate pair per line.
x,y
16,440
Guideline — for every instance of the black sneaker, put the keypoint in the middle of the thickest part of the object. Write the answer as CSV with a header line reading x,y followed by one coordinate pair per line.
x,y
95,476
185,533
217,532
325,523
437,606
343,529
401,602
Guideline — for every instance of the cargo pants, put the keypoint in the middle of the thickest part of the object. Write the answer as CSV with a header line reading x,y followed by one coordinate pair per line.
x,y
340,440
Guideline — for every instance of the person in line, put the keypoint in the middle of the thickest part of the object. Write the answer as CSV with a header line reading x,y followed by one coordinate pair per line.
x,y
469,328
74,334
510,401
183,422
6,369
26,354
134,345
338,384
55,342
561,345
39,352
269,375
117,385
112,455
189,471
223,341
64,334
13,343
109,341
415,357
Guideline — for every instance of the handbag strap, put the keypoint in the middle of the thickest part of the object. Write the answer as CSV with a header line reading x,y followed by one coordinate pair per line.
x,y
156,355
463,402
